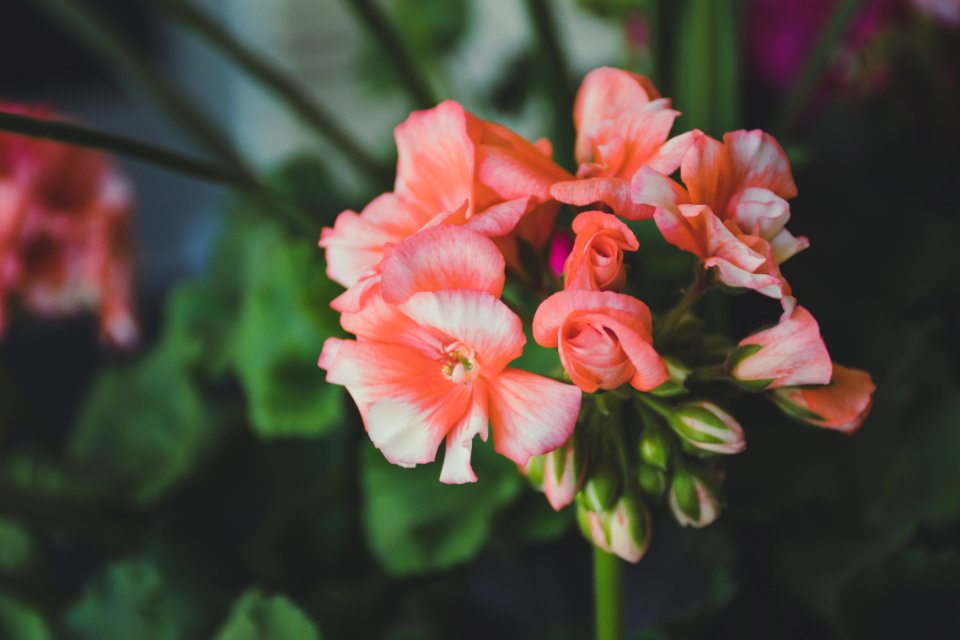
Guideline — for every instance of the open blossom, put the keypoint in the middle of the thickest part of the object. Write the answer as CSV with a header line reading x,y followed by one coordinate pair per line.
x,y
843,404
604,339
452,168
788,354
596,261
64,232
431,354
622,125
732,210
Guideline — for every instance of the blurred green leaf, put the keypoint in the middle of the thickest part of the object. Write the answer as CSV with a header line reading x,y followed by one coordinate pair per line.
x,y
142,429
416,524
129,600
16,546
257,617
283,321
19,621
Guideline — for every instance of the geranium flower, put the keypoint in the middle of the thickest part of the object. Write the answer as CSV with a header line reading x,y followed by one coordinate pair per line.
x,y
431,354
596,261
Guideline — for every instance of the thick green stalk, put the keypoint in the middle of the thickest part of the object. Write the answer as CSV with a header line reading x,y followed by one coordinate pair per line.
x,y
608,595
816,62
388,38
554,64
81,136
113,47
671,320
276,80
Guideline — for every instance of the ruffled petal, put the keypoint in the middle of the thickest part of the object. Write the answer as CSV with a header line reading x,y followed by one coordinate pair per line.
x,y
456,460
604,94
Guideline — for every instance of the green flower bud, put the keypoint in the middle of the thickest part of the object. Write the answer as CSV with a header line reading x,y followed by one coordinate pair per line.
x,y
694,498
652,481
656,447
623,530
706,426
602,488
675,385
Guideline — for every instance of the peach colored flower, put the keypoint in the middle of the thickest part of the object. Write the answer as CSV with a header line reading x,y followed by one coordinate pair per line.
x,y
790,353
842,405
596,261
604,339
431,354
731,211
622,124
452,168
64,232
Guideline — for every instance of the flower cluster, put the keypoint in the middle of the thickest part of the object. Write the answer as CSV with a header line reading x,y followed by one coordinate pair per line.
x,y
64,232
425,265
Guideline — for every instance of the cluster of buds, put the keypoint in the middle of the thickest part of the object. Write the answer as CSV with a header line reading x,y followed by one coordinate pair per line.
x,y
633,418
64,232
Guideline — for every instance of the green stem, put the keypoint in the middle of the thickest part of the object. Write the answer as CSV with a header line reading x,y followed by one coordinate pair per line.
x,y
816,61
385,34
81,136
608,595
709,374
555,75
671,320
659,407
276,80
112,46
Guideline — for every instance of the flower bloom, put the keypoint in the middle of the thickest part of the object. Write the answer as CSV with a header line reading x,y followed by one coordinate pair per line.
x,y
452,168
596,261
431,354
842,405
732,210
64,232
788,354
622,124
604,339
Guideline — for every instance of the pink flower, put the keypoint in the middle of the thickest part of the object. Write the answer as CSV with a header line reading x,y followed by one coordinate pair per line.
x,y
452,168
788,354
64,232
842,405
431,354
731,211
596,262
604,339
622,124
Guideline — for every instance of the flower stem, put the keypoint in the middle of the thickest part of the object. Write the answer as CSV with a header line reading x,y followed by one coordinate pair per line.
x,y
276,80
717,372
608,595
671,320
384,33
815,63
660,408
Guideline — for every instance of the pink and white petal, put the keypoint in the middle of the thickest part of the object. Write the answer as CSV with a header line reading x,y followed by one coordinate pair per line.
x,y
513,168
654,189
644,131
442,257
613,192
408,429
791,353
604,94
380,321
759,161
785,245
530,415
707,172
456,460
651,370
554,311
435,163
354,247
668,158
477,319
737,277
602,220
502,218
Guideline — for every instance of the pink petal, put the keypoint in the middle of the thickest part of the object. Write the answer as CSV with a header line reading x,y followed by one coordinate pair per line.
x,y
613,192
379,321
442,257
843,405
456,460
760,161
668,158
502,218
531,415
477,319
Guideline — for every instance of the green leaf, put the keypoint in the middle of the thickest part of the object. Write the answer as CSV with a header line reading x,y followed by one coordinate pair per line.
x,y
20,621
415,524
257,617
142,429
283,322
16,546
129,600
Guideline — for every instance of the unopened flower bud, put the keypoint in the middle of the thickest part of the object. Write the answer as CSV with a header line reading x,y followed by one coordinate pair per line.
x,y
656,446
675,385
623,530
602,488
694,498
652,481
708,427
562,474
842,405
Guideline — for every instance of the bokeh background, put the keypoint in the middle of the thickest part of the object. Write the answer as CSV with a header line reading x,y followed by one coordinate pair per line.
x,y
209,484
